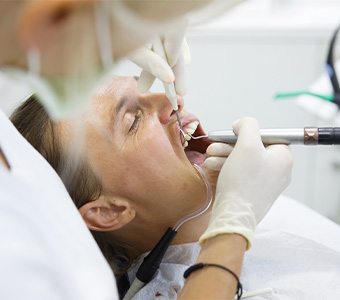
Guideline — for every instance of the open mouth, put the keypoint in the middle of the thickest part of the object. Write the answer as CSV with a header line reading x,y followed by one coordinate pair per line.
x,y
195,149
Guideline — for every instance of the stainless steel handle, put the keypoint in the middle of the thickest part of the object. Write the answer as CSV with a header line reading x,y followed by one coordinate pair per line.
x,y
268,136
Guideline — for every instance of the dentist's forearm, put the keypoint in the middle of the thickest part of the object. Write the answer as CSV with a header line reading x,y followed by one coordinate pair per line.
x,y
214,283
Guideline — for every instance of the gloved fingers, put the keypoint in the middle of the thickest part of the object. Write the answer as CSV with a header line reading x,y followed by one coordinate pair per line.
x,y
219,149
179,71
173,42
145,81
214,163
153,63
282,156
248,133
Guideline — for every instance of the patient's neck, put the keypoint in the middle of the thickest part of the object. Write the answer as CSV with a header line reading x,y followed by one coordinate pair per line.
x,y
191,231
188,233
143,236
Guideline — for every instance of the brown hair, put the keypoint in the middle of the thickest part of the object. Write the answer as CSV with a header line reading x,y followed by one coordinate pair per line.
x,y
33,122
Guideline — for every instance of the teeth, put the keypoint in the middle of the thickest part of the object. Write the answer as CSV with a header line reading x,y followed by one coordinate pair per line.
x,y
187,137
190,129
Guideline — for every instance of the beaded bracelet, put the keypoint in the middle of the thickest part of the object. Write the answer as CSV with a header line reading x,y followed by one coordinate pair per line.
x,y
200,266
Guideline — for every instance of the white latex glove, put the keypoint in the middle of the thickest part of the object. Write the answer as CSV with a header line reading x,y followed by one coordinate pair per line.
x,y
171,70
217,154
250,180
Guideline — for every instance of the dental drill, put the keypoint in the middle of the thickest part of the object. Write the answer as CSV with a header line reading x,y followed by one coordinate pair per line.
x,y
303,136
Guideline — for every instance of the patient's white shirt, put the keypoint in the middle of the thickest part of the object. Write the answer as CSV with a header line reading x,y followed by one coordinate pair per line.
x,y
291,266
46,250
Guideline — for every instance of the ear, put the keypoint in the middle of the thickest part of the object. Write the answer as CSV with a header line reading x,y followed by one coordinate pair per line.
x,y
107,214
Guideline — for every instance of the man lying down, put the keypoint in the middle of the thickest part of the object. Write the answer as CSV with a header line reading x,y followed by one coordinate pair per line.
x,y
124,166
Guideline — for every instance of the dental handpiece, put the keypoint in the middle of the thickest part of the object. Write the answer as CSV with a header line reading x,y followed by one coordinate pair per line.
x,y
302,136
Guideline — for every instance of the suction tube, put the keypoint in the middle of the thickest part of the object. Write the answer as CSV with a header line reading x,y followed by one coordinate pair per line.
x,y
151,262
203,209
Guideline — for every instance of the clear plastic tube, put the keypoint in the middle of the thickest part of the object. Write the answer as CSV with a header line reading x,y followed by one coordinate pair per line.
x,y
162,246
203,209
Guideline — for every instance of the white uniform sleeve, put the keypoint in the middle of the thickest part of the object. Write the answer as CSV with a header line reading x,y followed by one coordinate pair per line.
x,y
46,250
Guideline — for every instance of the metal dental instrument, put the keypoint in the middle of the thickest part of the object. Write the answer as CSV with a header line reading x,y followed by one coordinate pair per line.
x,y
169,88
303,136
181,132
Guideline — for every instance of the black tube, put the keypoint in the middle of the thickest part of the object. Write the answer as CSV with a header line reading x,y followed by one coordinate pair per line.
x,y
330,65
151,262
329,135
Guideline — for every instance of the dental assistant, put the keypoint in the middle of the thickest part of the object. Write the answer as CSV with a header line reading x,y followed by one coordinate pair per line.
x,y
46,250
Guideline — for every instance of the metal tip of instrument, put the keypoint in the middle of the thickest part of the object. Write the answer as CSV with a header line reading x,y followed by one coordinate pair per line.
x,y
182,133
179,120
198,137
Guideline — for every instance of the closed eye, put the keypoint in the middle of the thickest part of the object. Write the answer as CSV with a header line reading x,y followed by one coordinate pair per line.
x,y
136,122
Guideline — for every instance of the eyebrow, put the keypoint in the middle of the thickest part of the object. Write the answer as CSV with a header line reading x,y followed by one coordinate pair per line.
x,y
122,103
115,111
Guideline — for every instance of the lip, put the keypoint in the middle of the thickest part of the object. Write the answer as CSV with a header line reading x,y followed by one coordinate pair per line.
x,y
200,145
188,118
195,152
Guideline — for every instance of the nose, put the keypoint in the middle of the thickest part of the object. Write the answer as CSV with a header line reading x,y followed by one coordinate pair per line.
x,y
160,103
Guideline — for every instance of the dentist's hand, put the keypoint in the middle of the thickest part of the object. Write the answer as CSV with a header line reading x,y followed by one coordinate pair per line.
x,y
170,70
217,154
250,180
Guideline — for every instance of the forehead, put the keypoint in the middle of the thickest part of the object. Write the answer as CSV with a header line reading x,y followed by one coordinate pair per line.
x,y
116,88
100,112
116,92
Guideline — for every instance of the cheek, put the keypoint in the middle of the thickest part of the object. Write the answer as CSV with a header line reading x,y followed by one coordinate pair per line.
x,y
142,157
149,166
153,154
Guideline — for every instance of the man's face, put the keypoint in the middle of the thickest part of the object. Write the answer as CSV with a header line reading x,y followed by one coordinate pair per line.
x,y
133,145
